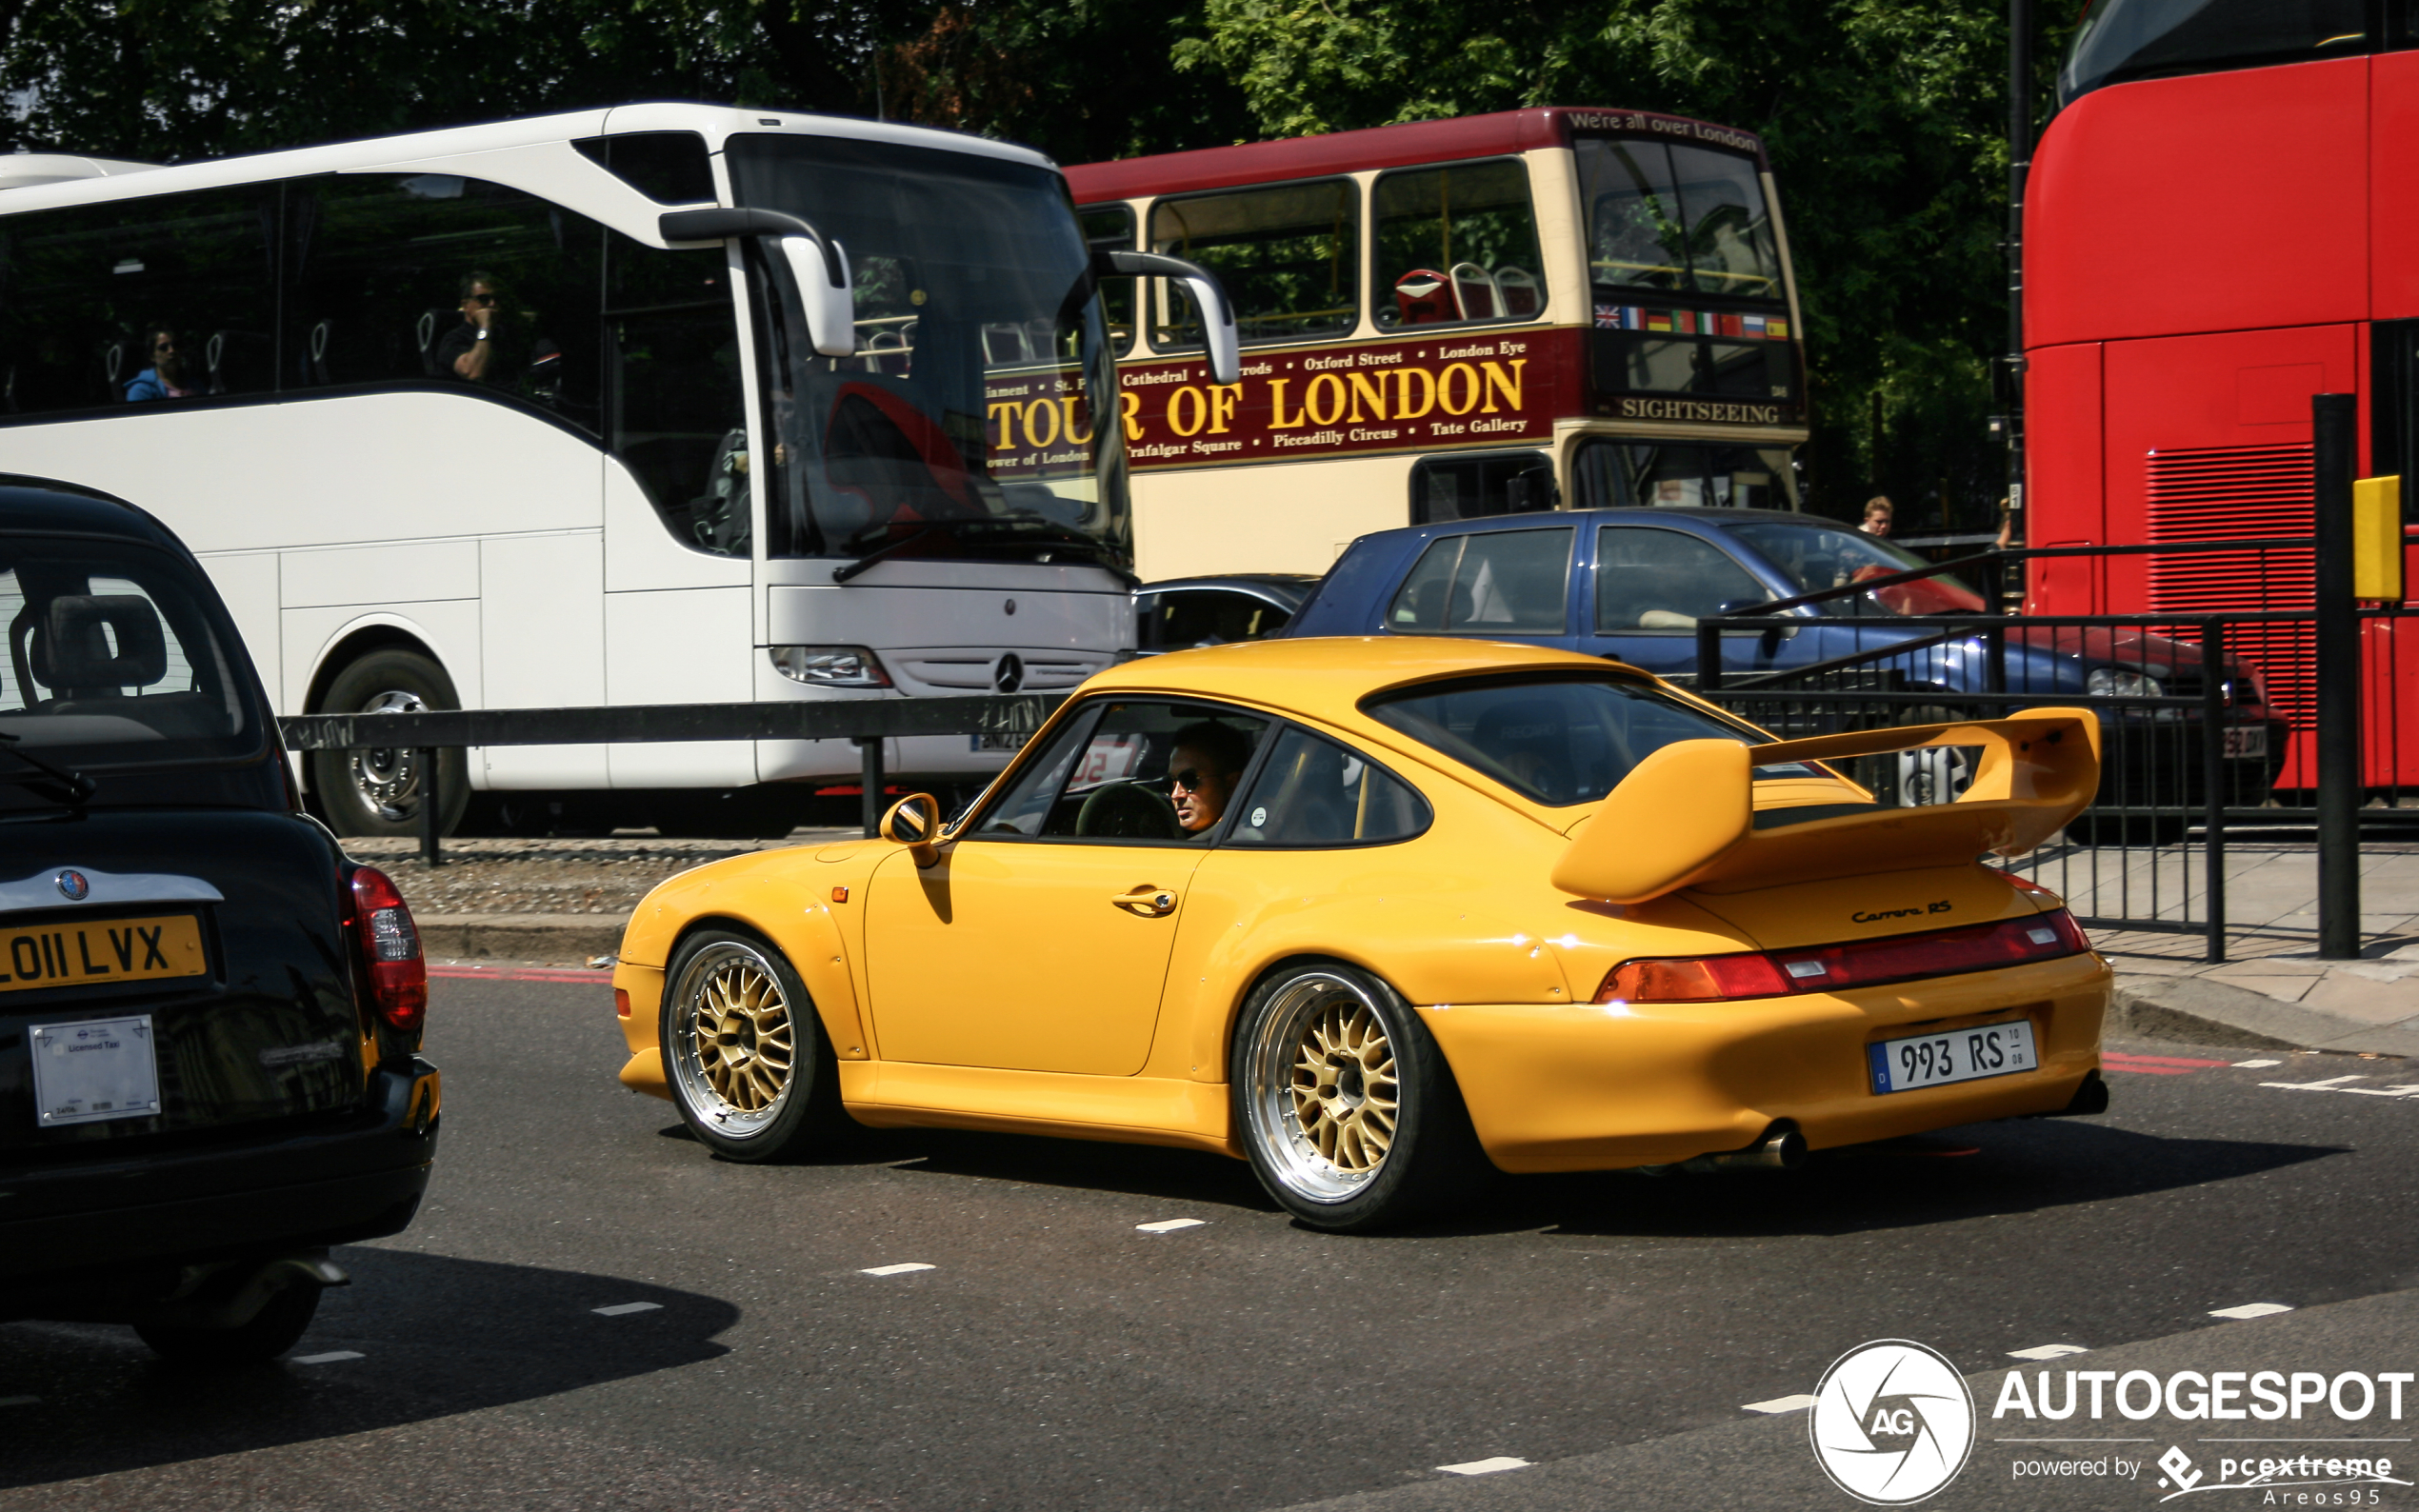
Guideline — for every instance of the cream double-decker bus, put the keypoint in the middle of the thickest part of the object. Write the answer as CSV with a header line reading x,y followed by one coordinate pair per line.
x,y
1539,309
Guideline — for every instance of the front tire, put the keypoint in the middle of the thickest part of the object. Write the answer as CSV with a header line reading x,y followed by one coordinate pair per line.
x,y
378,793
744,1054
1344,1103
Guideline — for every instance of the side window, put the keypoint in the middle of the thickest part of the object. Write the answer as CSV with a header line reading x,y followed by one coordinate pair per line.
x,y
1180,619
674,412
168,298
1315,792
437,279
1466,487
1151,772
1457,244
1488,583
670,168
1289,257
1664,580
1112,227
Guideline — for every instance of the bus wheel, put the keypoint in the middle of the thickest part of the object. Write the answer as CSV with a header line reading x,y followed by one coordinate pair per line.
x,y
378,792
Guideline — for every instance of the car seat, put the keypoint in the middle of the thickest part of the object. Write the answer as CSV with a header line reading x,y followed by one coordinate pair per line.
x,y
72,652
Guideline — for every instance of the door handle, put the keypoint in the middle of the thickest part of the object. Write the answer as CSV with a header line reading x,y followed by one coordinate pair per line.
x,y
1150,901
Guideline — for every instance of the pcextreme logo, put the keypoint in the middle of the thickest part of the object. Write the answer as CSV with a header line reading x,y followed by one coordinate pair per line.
x,y
1892,1423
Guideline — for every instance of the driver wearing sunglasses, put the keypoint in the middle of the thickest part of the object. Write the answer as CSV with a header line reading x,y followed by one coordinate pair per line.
x,y
1202,772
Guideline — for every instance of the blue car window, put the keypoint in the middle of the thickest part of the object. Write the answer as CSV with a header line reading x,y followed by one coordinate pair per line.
x,y
1313,792
1648,579
1494,583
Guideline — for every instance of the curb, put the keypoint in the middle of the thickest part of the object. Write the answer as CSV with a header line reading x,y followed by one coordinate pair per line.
x,y
571,938
2195,1010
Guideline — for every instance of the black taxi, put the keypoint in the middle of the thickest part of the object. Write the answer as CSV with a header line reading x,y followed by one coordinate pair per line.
x,y
210,1017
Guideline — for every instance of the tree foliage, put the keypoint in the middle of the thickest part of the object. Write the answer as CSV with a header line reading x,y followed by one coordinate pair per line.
x,y
1883,118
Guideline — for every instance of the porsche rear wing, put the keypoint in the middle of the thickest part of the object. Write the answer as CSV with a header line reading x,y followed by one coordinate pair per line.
x,y
1685,816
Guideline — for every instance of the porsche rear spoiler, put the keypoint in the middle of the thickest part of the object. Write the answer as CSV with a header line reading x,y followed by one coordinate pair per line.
x,y
1685,816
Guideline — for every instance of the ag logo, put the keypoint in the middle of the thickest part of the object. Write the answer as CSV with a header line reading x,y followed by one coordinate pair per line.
x,y
1892,1423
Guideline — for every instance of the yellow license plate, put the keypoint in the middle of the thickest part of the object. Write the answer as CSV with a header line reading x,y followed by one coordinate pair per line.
x,y
86,954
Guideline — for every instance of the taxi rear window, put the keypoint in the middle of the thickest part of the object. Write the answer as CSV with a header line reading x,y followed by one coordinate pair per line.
x,y
1558,741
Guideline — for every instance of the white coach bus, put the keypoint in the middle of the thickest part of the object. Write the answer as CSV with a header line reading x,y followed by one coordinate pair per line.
x,y
652,404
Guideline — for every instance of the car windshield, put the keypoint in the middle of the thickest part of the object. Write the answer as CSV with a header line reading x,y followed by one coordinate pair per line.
x,y
964,424
117,656
1560,741
1815,557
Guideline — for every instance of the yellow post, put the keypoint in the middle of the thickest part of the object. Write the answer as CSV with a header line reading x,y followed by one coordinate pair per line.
x,y
2376,535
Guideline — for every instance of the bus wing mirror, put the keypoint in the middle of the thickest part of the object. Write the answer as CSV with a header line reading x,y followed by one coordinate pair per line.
x,y
1217,311
818,263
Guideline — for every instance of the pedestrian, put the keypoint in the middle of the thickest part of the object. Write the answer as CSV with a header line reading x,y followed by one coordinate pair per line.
x,y
1878,513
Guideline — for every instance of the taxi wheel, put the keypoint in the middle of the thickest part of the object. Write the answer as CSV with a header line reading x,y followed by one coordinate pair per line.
x,y
1345,1104
271,1331
744,1053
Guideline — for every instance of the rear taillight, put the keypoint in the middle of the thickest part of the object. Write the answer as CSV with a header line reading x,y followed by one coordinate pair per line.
x,y
390,951
1832,969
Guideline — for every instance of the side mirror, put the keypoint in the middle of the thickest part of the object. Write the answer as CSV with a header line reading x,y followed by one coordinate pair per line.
x,y
912,822
821,271
1217,311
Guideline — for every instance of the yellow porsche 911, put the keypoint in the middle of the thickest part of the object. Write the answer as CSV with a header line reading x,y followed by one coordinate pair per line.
x,y
1381,917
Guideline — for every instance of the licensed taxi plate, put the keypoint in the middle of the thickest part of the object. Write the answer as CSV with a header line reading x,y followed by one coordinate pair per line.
x,y
90,953
1956,1055
85,1073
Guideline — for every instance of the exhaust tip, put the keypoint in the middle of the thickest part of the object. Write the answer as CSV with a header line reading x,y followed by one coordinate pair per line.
x,y
1780,1148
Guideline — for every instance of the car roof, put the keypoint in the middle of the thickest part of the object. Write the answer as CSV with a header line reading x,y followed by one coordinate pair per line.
x,y
1697,515
1288,585
1325,677
31,505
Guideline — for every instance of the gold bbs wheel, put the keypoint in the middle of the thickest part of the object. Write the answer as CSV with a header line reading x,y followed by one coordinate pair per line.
x,y
1326,1100
735,1040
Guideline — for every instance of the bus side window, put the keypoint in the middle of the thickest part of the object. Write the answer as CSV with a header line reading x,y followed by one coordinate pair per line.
x,y
1112,227
94,299
1466,486
1457,244
380,268
678,420
1289,256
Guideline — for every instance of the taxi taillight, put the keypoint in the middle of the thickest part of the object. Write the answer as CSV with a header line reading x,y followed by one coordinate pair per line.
x,y
390,952
1832,969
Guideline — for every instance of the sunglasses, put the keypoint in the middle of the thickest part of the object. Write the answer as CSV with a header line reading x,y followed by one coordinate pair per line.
x,y
480,299
1190,779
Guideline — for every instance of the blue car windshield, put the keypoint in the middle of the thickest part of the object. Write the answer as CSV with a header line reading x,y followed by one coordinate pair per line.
x,y
1815,557
1559,741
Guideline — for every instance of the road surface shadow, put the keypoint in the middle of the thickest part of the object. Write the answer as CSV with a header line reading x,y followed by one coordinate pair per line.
x,y
436,1336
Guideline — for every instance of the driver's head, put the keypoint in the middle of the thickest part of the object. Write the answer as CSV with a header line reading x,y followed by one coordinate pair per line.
x,y
1202,771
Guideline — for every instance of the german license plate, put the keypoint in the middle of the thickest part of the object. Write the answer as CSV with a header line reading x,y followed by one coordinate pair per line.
x,y
88,954
993,742
2245,740
102,1068
1955,1055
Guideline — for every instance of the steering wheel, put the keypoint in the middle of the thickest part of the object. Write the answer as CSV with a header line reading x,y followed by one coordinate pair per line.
x,y
1128,811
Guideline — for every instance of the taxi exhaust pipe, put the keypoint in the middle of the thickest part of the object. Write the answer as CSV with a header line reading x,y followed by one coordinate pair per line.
x,y
1782,1148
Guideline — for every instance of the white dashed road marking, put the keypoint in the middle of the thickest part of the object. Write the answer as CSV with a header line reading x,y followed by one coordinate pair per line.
x,y
1501,1461
2246,1065
620,1309
1780,1404
1169,1225
2328,1085
330,1358
896,1270
2047,1352
2251,1309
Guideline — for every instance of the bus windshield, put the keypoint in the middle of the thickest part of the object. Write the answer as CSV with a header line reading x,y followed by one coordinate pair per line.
x,y
963,427
1665,216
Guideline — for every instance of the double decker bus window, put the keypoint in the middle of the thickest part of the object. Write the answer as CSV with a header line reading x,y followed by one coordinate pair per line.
x,y
678,420
2127,39
1456,244
1469,486
1111,226
94,301
1679,218
1616,474
1289,256
964,426
391,276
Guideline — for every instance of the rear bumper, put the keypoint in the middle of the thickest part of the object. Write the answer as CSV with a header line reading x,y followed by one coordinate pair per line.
x,y
1564,1088
92,1224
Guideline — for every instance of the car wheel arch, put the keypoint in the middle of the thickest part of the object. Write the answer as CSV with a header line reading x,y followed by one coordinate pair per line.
x,y
809,942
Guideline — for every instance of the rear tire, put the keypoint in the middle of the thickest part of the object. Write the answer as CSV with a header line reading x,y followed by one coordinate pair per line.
x,y
374,794
1344,1103
744,1053
273,1331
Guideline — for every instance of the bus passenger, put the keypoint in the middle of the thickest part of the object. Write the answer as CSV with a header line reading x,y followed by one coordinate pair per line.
x,y
1202,771
164,377
468,350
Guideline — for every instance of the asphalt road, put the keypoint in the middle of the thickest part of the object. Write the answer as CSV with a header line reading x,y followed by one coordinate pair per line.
x,y
1611,1329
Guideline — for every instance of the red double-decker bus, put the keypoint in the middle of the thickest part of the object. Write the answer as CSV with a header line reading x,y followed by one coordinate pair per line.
x,y
2223,220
